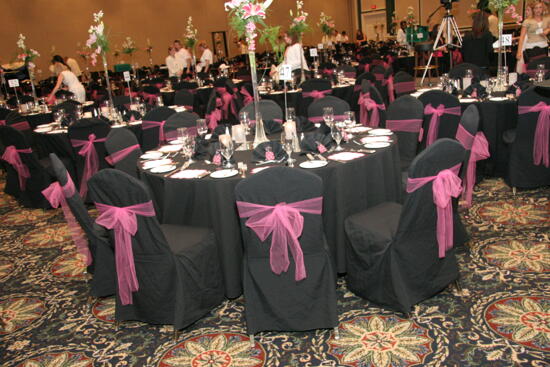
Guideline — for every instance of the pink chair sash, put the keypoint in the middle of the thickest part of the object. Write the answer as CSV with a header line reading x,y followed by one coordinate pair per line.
x,y
446,184
153,124
479,149
21,126
367,104
542,132
11,155
91,165
367,68
328,72
285,223
389,83
317,119
57,195
2,122
213,118
317,94
404,87
149,98
435,120
246,95
228,101
408,125
121,154
357,88
123,221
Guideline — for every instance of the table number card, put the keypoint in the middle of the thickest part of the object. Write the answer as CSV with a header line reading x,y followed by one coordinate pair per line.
x,y
285,72
127,77
320,46
313,52
13,83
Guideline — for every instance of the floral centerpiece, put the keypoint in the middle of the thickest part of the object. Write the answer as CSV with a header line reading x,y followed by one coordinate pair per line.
x,y
99,45
149,51
129,46
299,22
410,18
501,6
190,39
246,17
326,24
27,55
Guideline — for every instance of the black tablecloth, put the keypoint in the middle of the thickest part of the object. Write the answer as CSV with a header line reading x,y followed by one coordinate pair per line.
x,y
294,98
348,188
202,95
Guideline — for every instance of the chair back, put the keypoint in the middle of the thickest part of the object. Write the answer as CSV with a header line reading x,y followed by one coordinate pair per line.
x,y
532,66
366,117
124,150
446,125
459,71
403,83
151,136
311,85
272,115
339,106
184,98
405,116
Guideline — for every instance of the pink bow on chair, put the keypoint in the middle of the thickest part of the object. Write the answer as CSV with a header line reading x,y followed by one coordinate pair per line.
x,y
317,94
285,224
153,124
366,104
228,101
247,97
57,195
446,184
435,120
123,221
542,132
91,164
11,155
121,154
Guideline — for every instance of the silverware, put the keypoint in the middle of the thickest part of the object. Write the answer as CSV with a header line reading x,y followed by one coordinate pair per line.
x,y
310,156
271,161
321,157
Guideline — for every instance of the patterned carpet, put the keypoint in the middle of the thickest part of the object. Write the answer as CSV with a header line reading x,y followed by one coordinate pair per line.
x,y
501,317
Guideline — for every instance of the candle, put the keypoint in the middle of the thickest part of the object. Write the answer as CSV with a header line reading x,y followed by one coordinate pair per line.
x,y
238,133
290,128
224,139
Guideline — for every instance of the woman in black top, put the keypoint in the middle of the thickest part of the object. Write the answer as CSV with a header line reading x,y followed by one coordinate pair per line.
x,y
477,45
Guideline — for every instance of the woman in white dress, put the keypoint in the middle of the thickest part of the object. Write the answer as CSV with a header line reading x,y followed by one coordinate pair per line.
x,y
68,79
294,53
207,58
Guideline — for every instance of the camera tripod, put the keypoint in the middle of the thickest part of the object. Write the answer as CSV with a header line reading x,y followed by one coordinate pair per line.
x,y
449,26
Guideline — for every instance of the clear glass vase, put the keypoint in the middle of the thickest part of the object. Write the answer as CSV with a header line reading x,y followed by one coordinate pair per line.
x,y
260,136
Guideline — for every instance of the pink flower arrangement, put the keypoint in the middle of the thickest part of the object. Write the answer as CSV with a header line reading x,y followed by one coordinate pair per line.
x,y
246,13
253,10
513,13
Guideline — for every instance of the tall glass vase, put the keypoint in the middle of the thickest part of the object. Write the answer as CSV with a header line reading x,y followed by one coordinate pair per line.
x,y
260,136
106,69
31,78
501,84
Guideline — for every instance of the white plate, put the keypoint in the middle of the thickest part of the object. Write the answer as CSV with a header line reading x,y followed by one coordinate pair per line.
x,y
380,132
137,122
163,169
116,126
468,100
88,103
359,129
44,126
259,169
376,145
224,173
157,163
175,142
190,173
153,154
345,156
498,99
313,164
43,129
375,139
170,148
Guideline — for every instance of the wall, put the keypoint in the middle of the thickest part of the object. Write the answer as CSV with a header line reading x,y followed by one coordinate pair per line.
x,y
63,24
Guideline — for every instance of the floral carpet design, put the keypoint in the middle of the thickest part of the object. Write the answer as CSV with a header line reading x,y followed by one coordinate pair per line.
x,y
500,317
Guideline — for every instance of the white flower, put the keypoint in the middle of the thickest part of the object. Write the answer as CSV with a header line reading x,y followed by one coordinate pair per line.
x,y
98,16
100,28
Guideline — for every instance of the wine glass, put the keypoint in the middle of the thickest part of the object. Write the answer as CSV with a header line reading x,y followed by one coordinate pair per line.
x,y
328,116
182,134
57,116
227,151
287,142
202,128
78,112
290,114
337,136
245,121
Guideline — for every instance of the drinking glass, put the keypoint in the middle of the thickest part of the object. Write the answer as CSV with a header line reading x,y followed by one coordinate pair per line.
x,y
245,121
57,117
328,116
182,134
160,103
337,136
287,142
202,128
78,112
290,114
227,151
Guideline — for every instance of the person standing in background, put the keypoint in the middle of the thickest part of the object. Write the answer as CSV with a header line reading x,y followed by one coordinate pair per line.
x,y
207,58
359,37
477,45
534,31
70,80
175,68
492,21
402,34
183,55
344,37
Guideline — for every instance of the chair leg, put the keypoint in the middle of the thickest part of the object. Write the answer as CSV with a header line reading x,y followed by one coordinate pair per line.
x,y
336,333
252,342
176,335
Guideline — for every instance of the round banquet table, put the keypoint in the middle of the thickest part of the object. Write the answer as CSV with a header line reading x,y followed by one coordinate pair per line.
x,y
202,96
349,187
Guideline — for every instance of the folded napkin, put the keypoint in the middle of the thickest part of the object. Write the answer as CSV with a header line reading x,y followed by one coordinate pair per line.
x,y
272,127
476,90
303,124
220,130
213,153
268,151
316,142
202,148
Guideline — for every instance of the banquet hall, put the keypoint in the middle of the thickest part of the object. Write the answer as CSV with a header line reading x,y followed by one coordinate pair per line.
x,y
275,183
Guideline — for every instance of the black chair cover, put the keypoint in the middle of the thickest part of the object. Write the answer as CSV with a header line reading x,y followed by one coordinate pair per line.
x,y
103,282
39,178
150,137
272,115
403,77
303,103
448,122
339,106
368,87
184,98
522,172
177,267
392,254
279,302
406,107
459,71
119,139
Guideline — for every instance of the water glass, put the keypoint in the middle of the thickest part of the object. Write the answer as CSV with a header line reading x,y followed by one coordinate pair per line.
x,y
227,151
245,121
160,103
328,115
202,128
290,114
337,136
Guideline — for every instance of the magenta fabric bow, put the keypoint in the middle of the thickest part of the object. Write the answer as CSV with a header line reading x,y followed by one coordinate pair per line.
x,y
57,195
404,87
408,125
91,165
542,132
317,94
285,224
389,83
153,124
121,154
213,118
445,185
435,120
480,151
21,126
2,122
228,101
149,98
366,104
246,95
11,155
123,221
